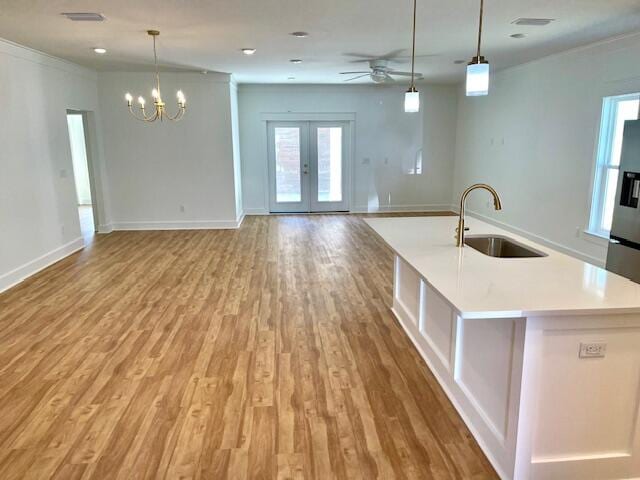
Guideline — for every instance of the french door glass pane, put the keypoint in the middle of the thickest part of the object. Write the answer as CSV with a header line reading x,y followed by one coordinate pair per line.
x,y
288,174
330,164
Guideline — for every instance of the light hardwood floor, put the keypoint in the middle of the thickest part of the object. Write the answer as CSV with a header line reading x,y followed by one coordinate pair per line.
x,y
265,352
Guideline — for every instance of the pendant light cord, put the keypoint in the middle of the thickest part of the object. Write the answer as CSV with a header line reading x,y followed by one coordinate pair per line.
x,y
480,29
413,47
155,60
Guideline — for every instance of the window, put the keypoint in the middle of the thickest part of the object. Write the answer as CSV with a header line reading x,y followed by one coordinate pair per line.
x,y
416,166
615,111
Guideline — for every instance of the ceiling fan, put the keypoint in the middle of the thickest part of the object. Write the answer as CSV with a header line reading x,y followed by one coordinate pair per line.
x,y
380,72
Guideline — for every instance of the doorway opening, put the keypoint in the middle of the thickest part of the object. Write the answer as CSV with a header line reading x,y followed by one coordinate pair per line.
x,y
308,166
82,174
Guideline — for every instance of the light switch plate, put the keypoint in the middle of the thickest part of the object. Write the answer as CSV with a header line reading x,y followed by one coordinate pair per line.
x,y
593,350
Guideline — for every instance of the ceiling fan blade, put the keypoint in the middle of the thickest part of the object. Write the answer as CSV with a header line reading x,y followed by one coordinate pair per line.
x,y
392,54
360,55
408,57
363,60
404,74
365,57
353,73
355,78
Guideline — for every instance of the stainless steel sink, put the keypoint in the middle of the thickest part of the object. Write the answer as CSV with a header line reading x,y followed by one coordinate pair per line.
x,y
501,247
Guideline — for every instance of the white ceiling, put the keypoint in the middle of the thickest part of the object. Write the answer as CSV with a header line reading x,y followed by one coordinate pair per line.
x,y
208,34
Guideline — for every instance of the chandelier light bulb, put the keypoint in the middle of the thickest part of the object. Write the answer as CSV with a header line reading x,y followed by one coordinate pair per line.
x,y
180,96
155,94
128,98
141,101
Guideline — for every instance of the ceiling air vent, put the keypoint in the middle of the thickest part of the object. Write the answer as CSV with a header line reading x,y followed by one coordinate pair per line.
x,y
84,16
533,22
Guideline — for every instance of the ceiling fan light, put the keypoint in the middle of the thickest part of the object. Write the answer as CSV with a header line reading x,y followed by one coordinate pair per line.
x,y
478,79
412,101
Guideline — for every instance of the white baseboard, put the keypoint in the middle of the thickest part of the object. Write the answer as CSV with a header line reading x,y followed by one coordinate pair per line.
x,y
256,211
107,228
364,209
19,274
435,207
180,225
537,238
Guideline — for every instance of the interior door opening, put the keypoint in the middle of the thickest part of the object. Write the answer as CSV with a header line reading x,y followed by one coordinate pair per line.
x,y
82,175
308,166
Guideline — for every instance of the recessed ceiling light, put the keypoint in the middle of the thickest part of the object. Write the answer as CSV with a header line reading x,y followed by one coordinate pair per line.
x,y
84,16
299,34
248,51
518,35
459,62
295,60
291,78
533,22
100,50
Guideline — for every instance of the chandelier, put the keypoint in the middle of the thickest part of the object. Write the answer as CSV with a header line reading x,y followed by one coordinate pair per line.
x,y
160,112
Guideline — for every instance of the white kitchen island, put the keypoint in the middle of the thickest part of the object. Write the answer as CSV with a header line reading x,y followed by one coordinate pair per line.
x,y
510,339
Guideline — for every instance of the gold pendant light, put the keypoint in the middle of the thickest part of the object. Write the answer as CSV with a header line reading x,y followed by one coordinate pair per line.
x,y
412,96
160,112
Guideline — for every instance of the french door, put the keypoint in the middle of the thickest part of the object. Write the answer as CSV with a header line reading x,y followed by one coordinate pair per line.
x,y
308,166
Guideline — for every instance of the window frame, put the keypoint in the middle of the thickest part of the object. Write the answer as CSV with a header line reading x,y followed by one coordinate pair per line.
x,y
603,160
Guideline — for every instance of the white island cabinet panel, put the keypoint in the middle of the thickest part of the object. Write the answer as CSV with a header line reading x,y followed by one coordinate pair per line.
x,y
584,412
438,325
407,291
489,363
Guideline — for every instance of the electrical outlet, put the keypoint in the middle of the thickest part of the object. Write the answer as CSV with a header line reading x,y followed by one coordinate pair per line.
x,y
182,208
593,350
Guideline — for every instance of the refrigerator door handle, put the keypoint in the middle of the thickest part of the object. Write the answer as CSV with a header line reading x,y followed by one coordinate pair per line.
x,y
636,189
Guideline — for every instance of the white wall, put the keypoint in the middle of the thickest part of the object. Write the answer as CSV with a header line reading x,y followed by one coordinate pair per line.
x,y
170,175
386,141
38,213
534,139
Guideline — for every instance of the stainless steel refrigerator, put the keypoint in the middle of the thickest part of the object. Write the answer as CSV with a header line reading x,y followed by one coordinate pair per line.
x,y
624,246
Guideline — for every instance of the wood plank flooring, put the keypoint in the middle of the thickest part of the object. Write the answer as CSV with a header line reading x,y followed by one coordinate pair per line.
x,y
266,352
